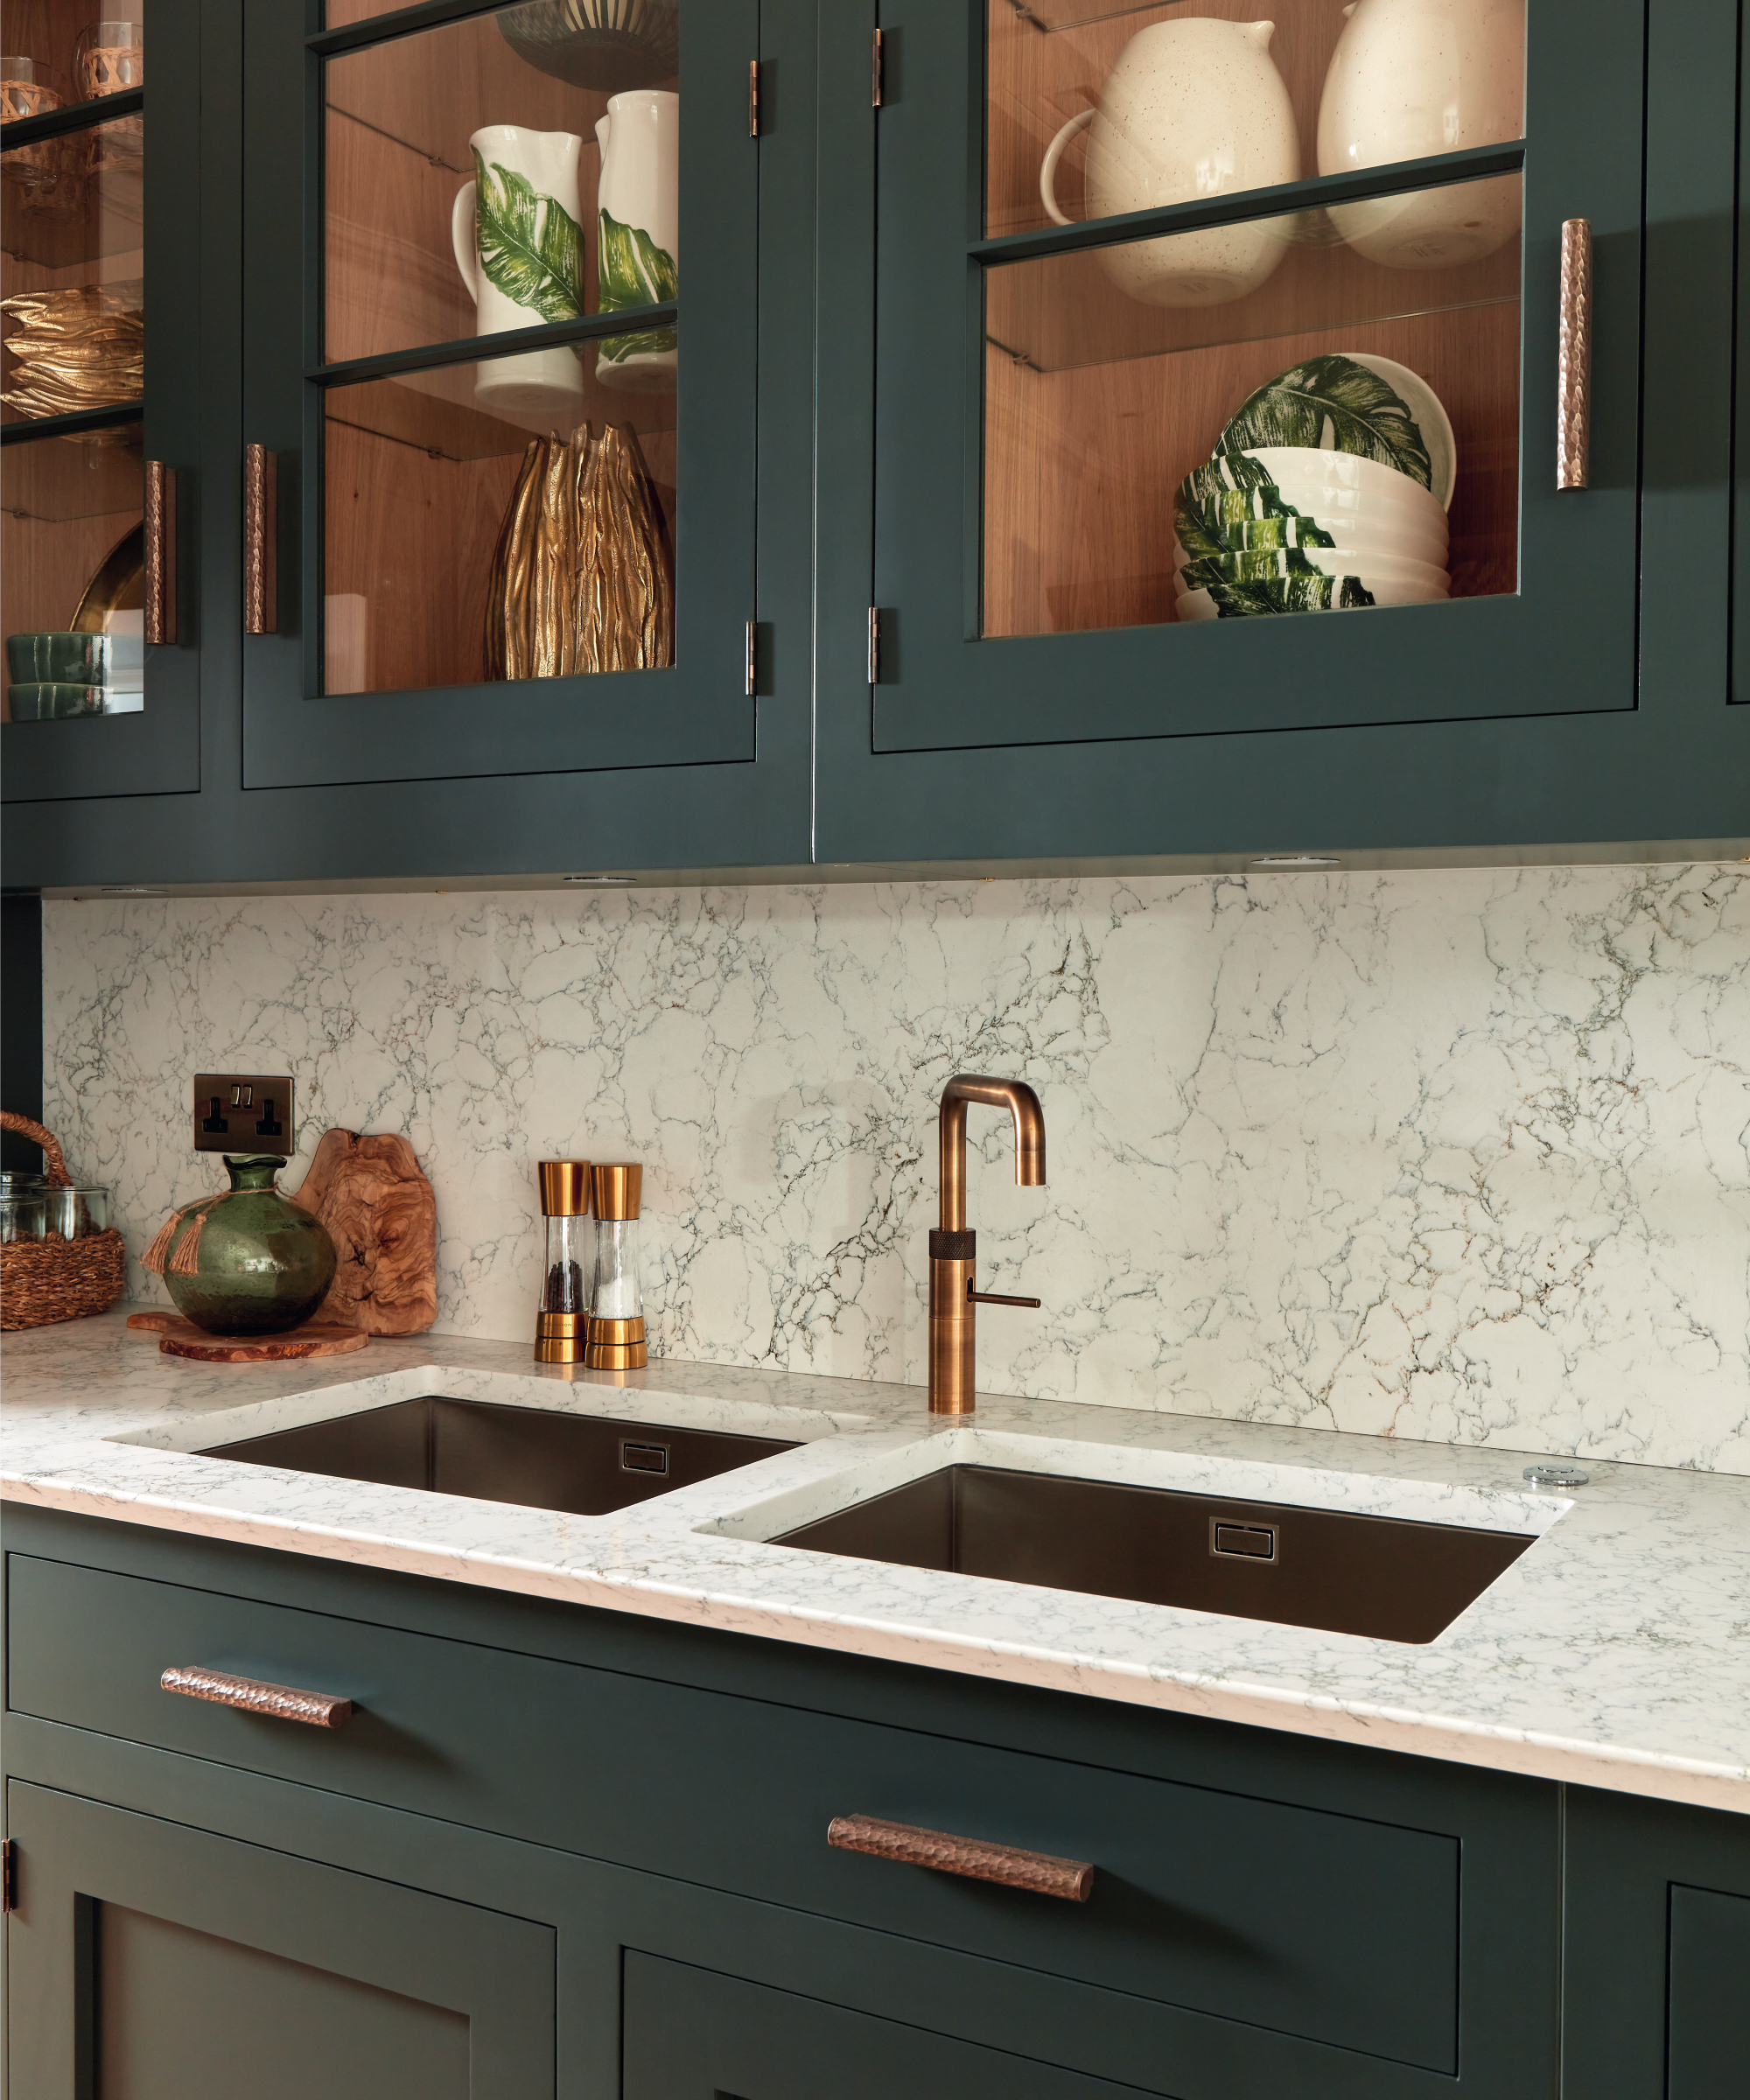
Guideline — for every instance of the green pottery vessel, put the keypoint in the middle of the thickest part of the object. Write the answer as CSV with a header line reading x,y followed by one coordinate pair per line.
x,y
263,1264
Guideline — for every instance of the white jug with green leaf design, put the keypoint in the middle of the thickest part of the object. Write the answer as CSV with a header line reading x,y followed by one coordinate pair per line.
x,y
638,234
519,245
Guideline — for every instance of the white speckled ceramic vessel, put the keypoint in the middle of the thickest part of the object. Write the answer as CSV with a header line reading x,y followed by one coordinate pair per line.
x,y
1410,78
1194,107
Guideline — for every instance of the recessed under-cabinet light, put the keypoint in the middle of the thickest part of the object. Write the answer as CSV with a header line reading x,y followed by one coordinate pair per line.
x,y
133,889
600,882
1297,860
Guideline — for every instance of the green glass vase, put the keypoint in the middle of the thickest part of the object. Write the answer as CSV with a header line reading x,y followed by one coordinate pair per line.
x,y
262,1263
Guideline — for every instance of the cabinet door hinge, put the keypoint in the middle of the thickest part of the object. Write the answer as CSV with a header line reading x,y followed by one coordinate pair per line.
x,y
753,98
9,1874
874,645
750,659
876,81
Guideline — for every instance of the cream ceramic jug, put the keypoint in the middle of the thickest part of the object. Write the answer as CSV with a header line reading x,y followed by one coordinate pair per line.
x,y
523,202
1194,107
637,232
1409,78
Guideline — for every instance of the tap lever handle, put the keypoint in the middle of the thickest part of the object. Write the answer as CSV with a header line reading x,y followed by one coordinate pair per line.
x,y
996,1297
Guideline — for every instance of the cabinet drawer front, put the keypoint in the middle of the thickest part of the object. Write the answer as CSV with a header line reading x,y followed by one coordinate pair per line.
x,y
1324,1926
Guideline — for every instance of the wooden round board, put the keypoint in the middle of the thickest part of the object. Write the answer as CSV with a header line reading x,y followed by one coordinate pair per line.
x,y
181,1337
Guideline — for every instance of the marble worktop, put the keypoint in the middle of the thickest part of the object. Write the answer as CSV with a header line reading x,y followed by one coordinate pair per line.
x,y
1615,1652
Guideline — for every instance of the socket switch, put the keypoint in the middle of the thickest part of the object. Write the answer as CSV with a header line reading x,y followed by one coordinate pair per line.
x,y
244,1112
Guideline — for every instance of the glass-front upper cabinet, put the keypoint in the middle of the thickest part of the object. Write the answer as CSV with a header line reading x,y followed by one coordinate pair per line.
x,y
93,404
1194,329
499,477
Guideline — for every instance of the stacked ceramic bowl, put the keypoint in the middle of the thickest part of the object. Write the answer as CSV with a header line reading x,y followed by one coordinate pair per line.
x,y
59,674
1328,491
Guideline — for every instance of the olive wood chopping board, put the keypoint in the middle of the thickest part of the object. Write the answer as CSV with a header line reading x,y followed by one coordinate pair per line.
x,y
382,1217
181,1337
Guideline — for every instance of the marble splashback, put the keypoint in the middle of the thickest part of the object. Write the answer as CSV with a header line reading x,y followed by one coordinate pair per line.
x,y
1454,1156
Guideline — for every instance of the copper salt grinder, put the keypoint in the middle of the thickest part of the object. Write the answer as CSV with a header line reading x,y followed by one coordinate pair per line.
x,y
617,1341
561,1329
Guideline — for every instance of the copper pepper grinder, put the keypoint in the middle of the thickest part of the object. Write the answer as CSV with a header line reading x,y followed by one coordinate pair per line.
x,y
562,1330
617,1341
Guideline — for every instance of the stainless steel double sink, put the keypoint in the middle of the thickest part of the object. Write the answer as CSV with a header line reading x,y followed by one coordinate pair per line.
x,y
1387,1578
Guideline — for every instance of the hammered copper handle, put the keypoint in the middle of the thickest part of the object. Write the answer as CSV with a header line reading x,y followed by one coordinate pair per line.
x,y
260,551
160,588
54,1165
280,1702
1041,1873
1573,358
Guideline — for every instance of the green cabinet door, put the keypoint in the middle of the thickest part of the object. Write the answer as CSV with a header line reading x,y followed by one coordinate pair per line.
x,y
485,562
692,2034
159,1963
104,239
1022,656
1655,1994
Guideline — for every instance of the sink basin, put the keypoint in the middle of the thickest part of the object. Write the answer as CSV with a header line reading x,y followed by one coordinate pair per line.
x,y
531,1456
1387,1578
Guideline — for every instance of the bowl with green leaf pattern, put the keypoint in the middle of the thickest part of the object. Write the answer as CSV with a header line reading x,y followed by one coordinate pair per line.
x,y
1351,404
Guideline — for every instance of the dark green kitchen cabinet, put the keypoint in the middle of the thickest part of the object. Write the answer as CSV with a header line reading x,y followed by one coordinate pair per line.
x,y
398,431
1268,1912
693,2035
913,624
1656,2005
361,448
105,221
1005,668
149,1958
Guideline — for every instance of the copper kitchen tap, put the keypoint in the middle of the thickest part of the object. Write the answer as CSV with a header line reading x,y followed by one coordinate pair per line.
x,y
953,1362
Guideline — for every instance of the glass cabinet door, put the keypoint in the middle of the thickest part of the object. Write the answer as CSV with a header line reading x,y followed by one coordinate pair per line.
x,y
496,522
94,407
1216,326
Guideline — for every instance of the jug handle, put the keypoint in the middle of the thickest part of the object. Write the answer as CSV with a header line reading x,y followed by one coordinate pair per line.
x,y
1053,153
462,239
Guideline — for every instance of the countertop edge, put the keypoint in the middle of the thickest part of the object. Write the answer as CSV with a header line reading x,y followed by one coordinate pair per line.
x,y
1688,1783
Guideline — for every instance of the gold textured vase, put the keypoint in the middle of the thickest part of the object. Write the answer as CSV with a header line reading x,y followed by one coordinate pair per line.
x,y
580,578
79,346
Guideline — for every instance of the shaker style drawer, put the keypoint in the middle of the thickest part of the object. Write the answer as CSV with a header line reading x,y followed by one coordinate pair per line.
x,y
1326,1927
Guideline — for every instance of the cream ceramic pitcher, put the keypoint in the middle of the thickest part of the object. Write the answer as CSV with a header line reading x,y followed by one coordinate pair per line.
x,y
1194,107
1409,78
515,230
638,234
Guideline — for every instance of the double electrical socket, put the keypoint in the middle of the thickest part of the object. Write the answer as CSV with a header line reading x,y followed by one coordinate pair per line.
x,y
244,1112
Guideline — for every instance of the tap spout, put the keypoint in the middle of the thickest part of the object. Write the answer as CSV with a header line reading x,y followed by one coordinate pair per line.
x,y
1023,1105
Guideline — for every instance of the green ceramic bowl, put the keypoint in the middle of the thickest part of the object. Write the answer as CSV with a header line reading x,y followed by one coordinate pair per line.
x,y
59,657
53,703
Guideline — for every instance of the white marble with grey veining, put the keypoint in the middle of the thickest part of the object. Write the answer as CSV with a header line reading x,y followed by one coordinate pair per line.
x,y
1615,1652
1455,1155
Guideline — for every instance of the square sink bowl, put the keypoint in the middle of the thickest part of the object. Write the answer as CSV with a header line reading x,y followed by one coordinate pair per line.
x,y
1389,1579
586,1465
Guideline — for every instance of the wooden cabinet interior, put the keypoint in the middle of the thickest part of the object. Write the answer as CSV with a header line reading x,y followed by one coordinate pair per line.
x,y
1097,405
68,502
418,472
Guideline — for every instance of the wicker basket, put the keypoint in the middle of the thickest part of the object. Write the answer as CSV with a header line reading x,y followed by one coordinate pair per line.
x,y
43,1281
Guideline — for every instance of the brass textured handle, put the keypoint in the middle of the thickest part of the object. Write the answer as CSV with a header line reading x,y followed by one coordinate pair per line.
x,y
1041,1873
160,535
1573,358
281,1702
260,551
